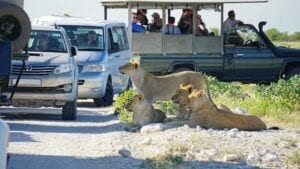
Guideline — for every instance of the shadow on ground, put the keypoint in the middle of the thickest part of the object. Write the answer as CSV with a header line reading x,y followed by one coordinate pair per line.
x,y
24,161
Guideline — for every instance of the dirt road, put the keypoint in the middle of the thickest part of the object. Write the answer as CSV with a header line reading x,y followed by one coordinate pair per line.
x,y
39,139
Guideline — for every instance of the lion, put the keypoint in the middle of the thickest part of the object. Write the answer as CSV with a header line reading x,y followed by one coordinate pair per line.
x,y
143,111
162,88
206,114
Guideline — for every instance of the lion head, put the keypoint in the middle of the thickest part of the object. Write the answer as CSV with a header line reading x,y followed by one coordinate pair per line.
x,y
135,101
196,98
182,93
130,67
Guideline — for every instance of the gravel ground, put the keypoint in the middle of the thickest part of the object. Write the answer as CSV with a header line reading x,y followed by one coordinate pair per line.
x,y
96,140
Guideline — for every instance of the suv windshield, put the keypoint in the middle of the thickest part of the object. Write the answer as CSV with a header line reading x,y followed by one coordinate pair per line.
x,y
46,41
86,37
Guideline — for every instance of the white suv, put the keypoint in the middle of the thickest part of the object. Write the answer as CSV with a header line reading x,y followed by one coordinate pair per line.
x,y
49,76
102,48
4,133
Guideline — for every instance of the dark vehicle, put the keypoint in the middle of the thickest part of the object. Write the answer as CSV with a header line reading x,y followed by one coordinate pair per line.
x,y
247,55
15,31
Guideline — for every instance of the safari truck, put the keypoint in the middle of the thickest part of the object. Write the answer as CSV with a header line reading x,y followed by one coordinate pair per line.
x,y
246,55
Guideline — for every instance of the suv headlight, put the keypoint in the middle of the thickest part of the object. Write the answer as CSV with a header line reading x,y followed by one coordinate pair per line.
x,y
94,68
64,68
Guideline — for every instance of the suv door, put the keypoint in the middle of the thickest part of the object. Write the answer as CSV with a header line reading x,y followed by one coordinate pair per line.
x,y
250,58
119,52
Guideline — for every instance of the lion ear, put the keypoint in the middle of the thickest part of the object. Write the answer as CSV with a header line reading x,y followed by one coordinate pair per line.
x,y
141,96
190,88
200,93
182,85
135,64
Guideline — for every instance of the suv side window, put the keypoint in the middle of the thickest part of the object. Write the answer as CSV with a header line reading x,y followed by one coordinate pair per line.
x,y
118,40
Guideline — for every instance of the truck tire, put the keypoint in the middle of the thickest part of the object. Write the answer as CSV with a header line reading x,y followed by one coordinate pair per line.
x,y
108,97
14,26
292,72
69,110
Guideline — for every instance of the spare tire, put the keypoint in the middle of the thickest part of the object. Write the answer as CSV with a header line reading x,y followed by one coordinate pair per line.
x,y
14,26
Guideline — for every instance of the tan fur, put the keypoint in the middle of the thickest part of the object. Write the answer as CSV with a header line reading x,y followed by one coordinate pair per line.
x,y
206,114
156,88
143,112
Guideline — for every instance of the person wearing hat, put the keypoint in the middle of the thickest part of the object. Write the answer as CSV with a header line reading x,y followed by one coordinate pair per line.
x,y
156,24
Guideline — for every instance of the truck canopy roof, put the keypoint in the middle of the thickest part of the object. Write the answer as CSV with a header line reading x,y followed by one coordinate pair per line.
x,y
173,3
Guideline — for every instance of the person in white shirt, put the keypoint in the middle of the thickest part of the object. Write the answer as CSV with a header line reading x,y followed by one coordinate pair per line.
x,y
230,23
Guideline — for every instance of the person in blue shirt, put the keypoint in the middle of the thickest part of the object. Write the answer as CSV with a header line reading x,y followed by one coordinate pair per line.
x,y
171,28
136,25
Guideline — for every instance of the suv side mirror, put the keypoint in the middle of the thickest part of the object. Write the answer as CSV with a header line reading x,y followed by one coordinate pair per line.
x,y
73,51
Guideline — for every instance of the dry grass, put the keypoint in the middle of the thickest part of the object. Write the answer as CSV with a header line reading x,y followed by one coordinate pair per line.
x,y
288,44
294,158
172,158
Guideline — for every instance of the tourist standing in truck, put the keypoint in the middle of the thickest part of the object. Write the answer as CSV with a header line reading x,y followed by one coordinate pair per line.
x,y
230,23
136,24
201,29
141,13
185,23
156,24
171,28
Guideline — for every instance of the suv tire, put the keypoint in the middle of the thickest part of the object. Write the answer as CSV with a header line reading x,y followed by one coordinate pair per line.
x,y
15,15
108,97
69,110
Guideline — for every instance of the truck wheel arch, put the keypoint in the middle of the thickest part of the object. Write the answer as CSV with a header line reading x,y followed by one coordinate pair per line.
x,y
289,69
178,67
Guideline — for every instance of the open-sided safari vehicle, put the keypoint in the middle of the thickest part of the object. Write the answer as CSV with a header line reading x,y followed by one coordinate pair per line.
x,y
246,55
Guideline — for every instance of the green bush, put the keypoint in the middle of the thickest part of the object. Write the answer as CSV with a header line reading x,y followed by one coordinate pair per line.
x,y
218,89
168,107
286,93
120,104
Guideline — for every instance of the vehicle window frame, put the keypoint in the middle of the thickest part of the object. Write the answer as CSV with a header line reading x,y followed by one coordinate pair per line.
x,y
33,41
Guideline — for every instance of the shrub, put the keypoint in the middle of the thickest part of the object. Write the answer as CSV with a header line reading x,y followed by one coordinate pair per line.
x,y
120,104
167,106
218,89
286,93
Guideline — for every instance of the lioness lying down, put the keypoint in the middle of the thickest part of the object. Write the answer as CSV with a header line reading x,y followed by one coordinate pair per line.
x,y
206,114
162,88
143,112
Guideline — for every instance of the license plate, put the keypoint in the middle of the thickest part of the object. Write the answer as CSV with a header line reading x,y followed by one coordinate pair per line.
x,y
28,82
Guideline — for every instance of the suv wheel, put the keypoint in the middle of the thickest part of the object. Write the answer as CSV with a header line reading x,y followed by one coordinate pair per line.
x,y
69,110
107,99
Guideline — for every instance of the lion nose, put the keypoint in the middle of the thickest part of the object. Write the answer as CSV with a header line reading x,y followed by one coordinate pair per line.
x,y
172,98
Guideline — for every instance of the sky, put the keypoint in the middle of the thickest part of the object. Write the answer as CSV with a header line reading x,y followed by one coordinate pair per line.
x,y
280,14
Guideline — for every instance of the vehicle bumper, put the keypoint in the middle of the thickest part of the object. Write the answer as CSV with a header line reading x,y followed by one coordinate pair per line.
x,y
43,91
92,85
